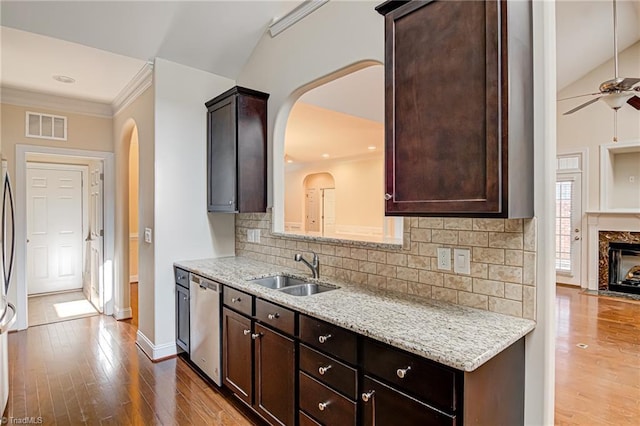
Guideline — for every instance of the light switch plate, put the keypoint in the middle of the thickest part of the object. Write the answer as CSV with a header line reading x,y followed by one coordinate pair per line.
x,y
444,259
147,235
462,261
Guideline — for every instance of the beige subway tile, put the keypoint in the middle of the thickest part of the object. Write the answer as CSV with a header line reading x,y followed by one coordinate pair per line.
x,y
434,264
458,282
386,270
301,245
529,268
529,302
488,287
377,281
413,222
329,271
421,235
419,262
473,300
356,277
367,267
407,274
431,278
406,241
513,257
428,249
343,274
328,249
395,284
513,291
505,240
431,222
358,253
342,251
488,225
376,256
397,259
512,274
290,244
331,261
458,223
444,294
487,255
418,289
349,263
315,247
513,225
473,238
479,270
504,306
444,236
530,234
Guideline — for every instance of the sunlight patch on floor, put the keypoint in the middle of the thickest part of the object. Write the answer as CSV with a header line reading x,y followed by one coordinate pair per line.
x,y
73,308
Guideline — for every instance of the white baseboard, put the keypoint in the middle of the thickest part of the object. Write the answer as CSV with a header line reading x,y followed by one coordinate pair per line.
x,y
155,352
133,279
122,313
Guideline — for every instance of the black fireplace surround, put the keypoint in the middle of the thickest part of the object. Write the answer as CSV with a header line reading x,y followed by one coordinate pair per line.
x,y
624,267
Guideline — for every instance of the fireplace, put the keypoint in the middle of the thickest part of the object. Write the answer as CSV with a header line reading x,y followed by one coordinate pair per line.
x,y
624,267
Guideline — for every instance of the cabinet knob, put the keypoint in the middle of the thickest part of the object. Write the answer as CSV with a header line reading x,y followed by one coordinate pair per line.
x,y
387,196
230,202
368,395
402,372
246,332
323,370
184,297
273,316
323,339
235,300
255,336
322,405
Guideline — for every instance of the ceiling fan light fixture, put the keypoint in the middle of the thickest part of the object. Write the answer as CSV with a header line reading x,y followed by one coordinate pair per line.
x,y
617,100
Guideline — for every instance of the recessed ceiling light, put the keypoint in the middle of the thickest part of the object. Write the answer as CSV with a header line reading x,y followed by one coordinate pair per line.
x,y
371,148
289,161
64,79
325,155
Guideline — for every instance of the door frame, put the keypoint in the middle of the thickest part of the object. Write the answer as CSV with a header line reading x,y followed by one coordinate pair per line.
x,y
21,225
85,199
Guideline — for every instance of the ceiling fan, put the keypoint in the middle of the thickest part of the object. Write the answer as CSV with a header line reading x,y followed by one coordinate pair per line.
x,y
615,92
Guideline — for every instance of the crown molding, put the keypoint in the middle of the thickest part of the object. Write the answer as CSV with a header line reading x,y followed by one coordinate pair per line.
x,y
26,98
136,87
304,9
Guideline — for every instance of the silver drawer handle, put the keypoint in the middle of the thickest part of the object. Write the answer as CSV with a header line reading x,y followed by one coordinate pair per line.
x,y
402,372
273,316
322,405
387,196
246,332
323,339
323,370
254,336
236,300
368,395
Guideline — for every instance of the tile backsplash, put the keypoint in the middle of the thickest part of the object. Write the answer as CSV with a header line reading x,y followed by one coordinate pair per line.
x,y
503,260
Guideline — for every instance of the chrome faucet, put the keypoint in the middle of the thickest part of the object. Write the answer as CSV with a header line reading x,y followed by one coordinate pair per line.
x,y
314,265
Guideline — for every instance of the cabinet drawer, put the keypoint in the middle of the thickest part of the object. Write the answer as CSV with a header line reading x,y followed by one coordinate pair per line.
x,y
305,420
419,377
329,371
182,277
241,302
329,338
276,316
325,405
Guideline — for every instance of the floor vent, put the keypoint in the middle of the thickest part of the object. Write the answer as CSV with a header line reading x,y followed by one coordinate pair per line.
x,y
46,126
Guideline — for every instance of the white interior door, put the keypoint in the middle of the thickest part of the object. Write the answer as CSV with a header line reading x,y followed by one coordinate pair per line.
x,y
54,229
328,212
569,228
96,234
312,209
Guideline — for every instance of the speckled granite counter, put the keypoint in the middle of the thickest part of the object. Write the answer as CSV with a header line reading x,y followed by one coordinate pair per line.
x,y
457,336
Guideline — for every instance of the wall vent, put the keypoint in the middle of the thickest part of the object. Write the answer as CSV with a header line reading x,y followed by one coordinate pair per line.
x,y
45,126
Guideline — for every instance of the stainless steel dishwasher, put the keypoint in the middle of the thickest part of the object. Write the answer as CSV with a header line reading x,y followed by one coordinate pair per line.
x,y
205,342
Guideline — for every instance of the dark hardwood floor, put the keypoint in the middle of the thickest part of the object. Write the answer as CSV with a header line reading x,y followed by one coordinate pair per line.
x,y
89,371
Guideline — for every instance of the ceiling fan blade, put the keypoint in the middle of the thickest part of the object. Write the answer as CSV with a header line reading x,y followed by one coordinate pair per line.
x,y
627,83
634,102
579,107
579,96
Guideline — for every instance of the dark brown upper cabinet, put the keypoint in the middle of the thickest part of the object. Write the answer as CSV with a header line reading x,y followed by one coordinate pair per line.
x,y
459,108
237,151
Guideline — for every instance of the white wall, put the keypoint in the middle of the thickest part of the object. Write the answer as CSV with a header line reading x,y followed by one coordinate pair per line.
x,y
593,126
183,228
626,180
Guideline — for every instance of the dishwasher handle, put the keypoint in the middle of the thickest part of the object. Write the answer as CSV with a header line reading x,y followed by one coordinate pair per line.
x,y
204,283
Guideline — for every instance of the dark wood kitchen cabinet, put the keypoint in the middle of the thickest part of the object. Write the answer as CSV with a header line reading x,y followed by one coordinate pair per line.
x,y
182,309
237,354
459,108
237,151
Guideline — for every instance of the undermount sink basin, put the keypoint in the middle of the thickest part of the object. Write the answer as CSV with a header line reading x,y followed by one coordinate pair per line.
x,y
306,289
278,281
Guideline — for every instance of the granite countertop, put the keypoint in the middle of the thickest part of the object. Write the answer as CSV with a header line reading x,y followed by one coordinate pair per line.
x,y
460,337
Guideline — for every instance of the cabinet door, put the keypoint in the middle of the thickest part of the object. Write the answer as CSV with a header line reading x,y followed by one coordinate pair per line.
x,y
182,318
222,156
382,405
275,369
444,117
237,354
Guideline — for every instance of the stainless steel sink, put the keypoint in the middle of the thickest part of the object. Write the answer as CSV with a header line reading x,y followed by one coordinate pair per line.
x,y
306,289
278,281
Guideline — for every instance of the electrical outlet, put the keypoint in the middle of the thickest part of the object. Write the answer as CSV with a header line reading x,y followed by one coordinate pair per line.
x,y
444,259
253,235
147,235
462,261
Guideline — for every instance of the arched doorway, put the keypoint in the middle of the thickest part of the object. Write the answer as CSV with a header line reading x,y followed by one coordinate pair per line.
x,y
319,204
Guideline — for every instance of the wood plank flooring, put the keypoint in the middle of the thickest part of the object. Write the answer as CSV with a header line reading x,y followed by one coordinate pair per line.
x,y
599,385
89,371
